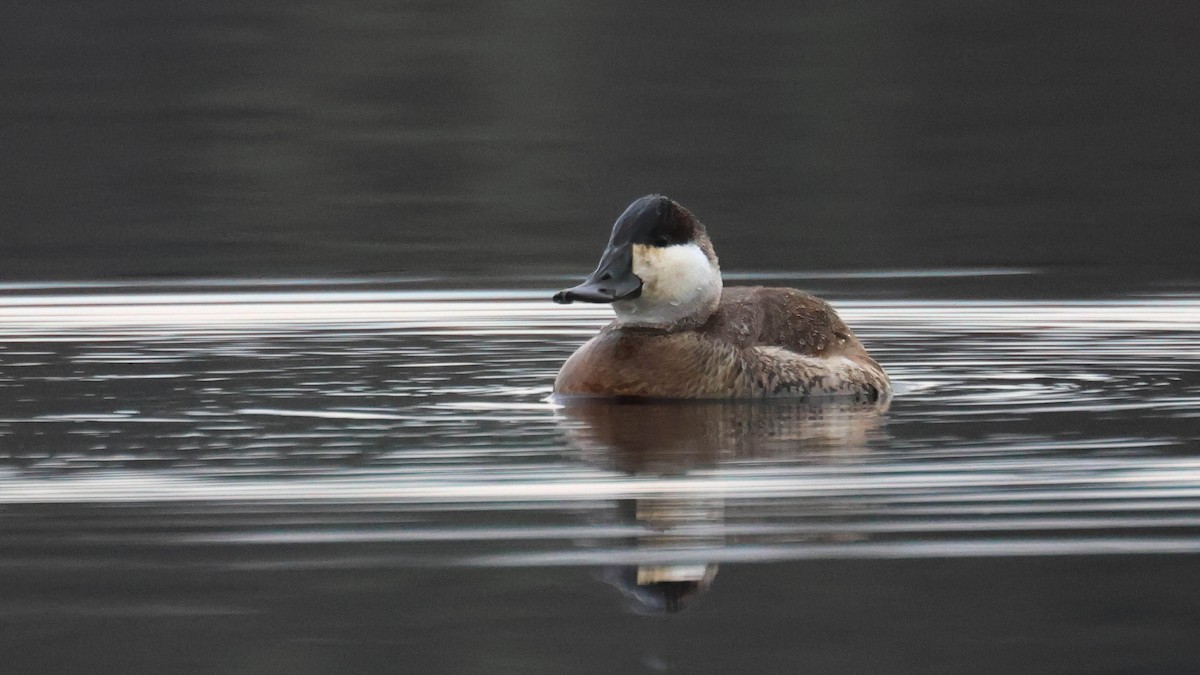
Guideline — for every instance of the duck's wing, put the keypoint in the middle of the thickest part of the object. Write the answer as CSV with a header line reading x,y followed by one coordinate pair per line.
x,y
808,349
804,324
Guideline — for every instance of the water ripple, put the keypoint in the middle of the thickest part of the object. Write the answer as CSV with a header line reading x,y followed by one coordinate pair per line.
x,y
419,422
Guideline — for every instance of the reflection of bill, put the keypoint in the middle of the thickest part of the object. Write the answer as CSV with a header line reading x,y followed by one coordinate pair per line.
x,y
675,525
679,532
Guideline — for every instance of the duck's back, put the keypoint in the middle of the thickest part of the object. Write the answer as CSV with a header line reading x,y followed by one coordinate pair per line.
x,y
760,342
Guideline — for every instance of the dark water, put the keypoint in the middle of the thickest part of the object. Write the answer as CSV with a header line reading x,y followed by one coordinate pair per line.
x,y
371,479
141,138
276,342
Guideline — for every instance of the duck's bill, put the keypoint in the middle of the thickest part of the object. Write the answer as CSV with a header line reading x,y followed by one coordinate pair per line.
x,y
613,280
597,292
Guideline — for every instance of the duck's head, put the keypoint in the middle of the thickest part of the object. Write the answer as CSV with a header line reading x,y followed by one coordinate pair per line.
x,y
659,268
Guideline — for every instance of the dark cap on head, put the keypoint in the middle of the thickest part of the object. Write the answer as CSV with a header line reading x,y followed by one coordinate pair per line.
x,y
655,220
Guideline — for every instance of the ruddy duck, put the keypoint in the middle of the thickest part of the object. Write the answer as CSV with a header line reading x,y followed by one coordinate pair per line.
x,y
680,334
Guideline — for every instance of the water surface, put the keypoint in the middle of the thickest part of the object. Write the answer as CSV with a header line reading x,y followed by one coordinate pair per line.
x,y
276,340
334,478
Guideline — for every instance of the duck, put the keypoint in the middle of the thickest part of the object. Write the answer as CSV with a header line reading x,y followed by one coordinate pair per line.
x,y
679,333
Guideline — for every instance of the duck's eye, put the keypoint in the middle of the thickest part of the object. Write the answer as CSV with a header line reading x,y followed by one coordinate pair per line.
x,y
662,240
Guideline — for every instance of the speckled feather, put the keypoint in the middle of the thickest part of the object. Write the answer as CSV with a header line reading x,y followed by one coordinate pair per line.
x,y
759,343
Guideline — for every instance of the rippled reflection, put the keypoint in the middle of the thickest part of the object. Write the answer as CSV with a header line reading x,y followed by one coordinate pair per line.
x,y
666,439
418,424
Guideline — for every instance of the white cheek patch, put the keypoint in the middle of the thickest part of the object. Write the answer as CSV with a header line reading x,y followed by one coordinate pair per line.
x,y
671,274
677,282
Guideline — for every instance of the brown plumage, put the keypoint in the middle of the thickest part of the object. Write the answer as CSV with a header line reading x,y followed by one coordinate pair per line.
x,y
759,343
680,334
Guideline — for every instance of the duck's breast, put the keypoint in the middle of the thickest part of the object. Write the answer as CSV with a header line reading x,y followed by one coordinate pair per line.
x,y
666,365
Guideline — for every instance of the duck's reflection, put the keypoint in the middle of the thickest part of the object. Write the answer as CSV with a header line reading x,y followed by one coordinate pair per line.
x,y
676,438
671,525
